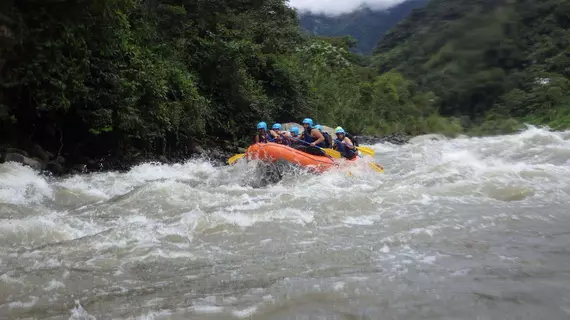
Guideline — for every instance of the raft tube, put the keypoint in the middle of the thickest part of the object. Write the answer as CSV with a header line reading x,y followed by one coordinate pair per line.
x,y
274,152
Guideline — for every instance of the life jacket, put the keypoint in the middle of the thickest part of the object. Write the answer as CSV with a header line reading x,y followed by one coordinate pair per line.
x,y
309,139
283,139
352,138
294,141
344,150
264,138
328,140
307,135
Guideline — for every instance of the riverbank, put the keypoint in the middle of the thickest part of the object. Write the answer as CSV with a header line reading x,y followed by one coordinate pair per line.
x,y
36,157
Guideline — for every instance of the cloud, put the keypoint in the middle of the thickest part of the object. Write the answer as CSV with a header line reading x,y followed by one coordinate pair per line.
x,y
336,7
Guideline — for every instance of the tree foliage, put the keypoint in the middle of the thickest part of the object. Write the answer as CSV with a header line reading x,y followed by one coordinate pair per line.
x,y
149,74
103,77
486,59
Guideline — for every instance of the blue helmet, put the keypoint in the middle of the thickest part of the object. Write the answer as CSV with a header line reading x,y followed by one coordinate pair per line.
x,y
262,125
339,130
294,131
276,126
308,121
319,127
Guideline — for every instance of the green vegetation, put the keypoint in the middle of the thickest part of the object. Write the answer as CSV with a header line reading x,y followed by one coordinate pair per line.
x,y
110,77
489,61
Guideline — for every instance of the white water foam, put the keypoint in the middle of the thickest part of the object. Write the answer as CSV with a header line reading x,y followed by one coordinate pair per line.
x,y
171,224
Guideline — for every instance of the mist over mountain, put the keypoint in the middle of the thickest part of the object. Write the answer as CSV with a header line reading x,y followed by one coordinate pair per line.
x,y
366,24
335,7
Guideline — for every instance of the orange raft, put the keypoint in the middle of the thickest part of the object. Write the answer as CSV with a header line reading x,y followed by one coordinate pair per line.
x,y
274,152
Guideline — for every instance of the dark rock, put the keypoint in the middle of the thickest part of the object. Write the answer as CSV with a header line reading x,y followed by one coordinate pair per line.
x,y
15,150
55,168
394,138
15,157
216,154
38,151
60,160
163,159
80,168
95,165
199,149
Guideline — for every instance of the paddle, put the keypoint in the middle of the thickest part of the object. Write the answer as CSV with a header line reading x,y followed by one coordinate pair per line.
x,y
235,158
376,167
366,150
329,152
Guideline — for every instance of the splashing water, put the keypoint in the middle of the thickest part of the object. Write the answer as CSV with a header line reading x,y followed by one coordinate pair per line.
x,y
466,228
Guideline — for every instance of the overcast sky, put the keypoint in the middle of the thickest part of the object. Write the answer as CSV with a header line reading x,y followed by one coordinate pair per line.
x,y
335,7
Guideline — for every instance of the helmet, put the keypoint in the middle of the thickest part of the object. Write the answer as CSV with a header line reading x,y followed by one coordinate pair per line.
x,y
308,121
262,125
276,126
319,127
294,131
339,130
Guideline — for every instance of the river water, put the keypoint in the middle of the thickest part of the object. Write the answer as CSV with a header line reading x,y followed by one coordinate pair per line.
x,y
467,228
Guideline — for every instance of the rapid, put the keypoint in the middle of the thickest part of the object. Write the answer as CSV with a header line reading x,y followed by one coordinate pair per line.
x,y
465,228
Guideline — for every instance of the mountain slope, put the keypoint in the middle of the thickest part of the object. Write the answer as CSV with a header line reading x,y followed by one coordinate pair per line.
x,y
365,25
486,58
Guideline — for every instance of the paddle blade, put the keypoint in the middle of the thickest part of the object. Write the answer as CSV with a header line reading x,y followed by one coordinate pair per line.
x,y
366,150
332,153
376,167
235,158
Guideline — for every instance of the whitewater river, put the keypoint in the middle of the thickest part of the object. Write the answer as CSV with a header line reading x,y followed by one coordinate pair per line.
x,y
455,229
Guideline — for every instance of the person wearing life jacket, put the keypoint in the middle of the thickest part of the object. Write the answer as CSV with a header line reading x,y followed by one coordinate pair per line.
x,y
328,139
293,137
294,132
279,135
262,133
311,135
352,138
344,145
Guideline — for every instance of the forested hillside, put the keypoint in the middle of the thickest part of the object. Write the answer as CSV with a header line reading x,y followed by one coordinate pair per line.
x,y
111,77
488,60
365,25
105,78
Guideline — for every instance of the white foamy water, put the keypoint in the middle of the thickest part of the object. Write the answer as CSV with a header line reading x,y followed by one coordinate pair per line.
x,y
466,228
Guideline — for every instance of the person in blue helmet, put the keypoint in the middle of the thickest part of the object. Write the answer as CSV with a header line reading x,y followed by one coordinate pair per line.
x,y
294,132
294,137
279,135
263,135
328,139
344,145
311,135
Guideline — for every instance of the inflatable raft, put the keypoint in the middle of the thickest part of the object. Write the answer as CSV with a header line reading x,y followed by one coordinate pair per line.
x,y
274,152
